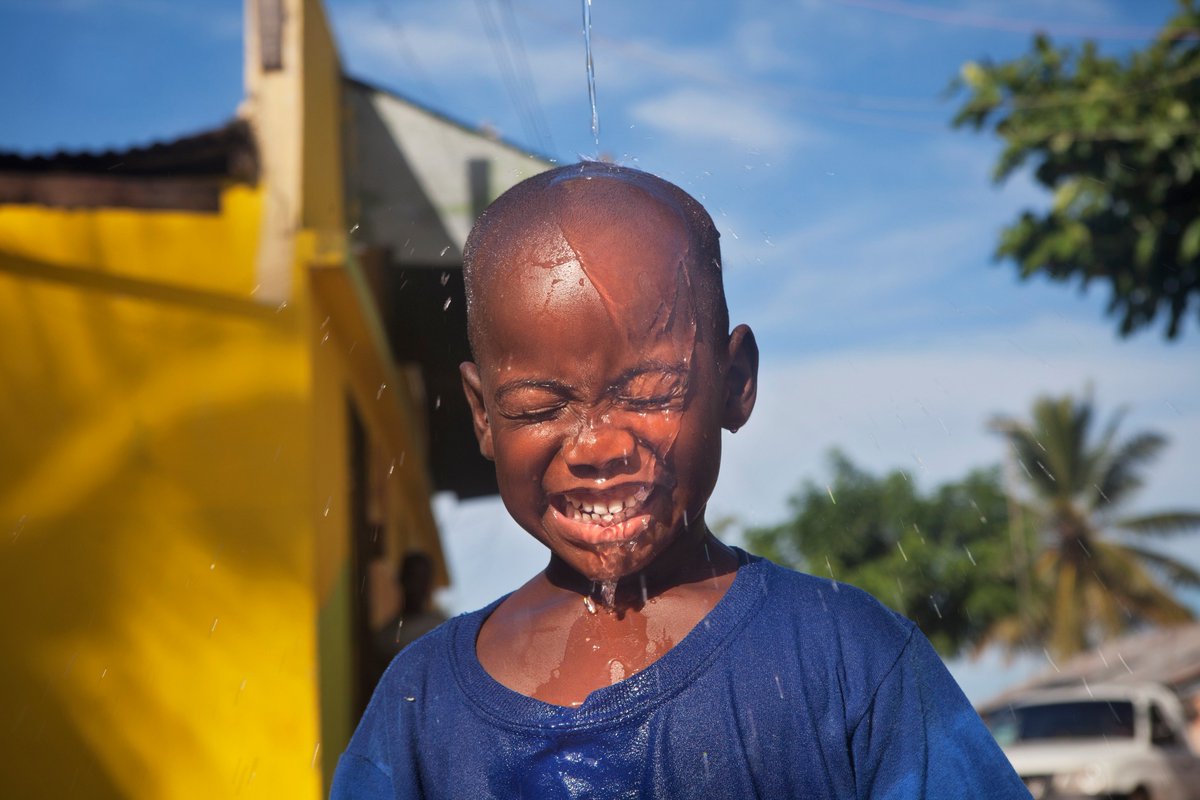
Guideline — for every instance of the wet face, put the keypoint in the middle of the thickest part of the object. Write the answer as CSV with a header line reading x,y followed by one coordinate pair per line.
x,y
602,387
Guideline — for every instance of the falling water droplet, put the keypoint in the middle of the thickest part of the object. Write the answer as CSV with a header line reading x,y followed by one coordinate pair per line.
x,y
445,278
608,593
379,394
445,250
446,304
589,603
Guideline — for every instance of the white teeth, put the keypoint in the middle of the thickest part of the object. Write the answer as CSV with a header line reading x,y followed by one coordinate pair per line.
x,y
605,512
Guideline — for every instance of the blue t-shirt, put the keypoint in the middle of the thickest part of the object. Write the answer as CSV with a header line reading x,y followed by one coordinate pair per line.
x,y
792,687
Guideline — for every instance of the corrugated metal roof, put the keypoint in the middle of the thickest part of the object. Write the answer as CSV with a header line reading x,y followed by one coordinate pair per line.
x,y
185,173
227,152
1170,656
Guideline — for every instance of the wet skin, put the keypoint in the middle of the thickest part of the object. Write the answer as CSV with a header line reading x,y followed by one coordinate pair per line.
x,y
601,390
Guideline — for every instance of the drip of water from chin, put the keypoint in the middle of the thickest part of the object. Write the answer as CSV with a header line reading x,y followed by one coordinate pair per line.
x,y
608,593
591,70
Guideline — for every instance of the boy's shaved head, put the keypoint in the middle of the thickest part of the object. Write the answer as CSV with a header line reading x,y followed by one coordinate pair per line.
x,y
554,217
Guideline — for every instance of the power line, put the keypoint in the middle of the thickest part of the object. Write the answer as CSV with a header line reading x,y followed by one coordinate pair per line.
x,y
525,74
526,113
386,14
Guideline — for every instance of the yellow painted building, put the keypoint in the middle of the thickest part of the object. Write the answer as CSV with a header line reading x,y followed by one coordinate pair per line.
x,y
226,397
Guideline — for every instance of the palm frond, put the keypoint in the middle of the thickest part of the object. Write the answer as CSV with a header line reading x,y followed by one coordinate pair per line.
x,y
1163,523
1174,570
1123,570
1030,455
1121,478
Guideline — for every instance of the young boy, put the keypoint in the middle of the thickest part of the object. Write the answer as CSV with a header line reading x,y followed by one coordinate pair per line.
x,y
648,660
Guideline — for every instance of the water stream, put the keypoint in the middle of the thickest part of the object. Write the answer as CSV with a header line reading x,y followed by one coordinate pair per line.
x,y
591,70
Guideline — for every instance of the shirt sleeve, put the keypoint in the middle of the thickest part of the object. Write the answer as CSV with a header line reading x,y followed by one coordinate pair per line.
x,y
920,739
370,768
358,778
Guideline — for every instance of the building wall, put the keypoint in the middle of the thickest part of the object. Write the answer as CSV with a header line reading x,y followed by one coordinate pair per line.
x,y
155,495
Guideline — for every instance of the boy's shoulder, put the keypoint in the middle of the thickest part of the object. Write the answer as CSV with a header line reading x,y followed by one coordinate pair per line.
x,y
821,602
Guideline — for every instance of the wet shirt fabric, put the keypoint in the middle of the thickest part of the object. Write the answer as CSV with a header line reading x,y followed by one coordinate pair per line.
x,y
792,687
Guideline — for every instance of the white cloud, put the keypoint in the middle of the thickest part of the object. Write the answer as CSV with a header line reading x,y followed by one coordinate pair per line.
x,y
724,118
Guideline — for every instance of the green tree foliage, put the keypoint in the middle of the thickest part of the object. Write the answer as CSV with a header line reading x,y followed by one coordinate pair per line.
x,y
943,559
1118,143
1092,575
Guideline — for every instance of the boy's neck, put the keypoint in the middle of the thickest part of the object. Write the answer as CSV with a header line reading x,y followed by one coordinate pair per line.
x,y
690,559
555,640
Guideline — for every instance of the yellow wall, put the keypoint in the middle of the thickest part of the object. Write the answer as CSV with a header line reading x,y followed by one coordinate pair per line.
x,y
175,571
157,561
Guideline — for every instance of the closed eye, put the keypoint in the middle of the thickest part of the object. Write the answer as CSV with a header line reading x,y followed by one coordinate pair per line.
x,y
531,401
542,414
652,390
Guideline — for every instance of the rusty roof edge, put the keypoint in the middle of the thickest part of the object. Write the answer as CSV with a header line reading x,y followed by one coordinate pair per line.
x,y
226,151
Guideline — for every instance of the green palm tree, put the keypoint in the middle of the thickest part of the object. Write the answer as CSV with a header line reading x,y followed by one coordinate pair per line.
x,y
1088,573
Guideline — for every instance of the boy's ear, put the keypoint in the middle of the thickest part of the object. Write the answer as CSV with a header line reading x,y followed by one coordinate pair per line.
x,y
741,378
473,389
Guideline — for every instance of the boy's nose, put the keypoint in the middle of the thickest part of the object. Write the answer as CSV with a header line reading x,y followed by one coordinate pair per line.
x,y
601,452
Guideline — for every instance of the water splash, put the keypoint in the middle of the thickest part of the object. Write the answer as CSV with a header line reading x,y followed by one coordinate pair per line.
x,y
591,70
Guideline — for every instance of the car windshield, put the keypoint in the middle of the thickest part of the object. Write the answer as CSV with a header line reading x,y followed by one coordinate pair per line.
x,y
1084,719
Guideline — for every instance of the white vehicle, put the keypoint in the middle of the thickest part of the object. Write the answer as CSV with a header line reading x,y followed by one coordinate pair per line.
x,y
1117,741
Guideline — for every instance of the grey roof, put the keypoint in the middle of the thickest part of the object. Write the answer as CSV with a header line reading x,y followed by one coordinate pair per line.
x,y
1170,656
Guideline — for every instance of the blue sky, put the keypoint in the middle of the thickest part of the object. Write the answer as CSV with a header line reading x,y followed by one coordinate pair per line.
x,y
857,226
